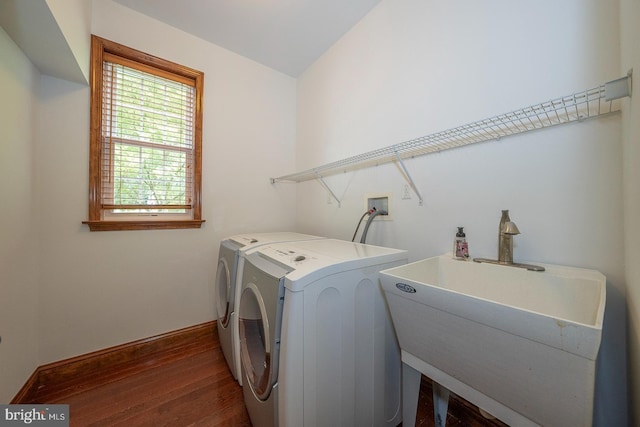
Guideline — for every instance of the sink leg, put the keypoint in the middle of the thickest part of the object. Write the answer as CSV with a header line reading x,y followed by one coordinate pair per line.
x,y
410,393
440,404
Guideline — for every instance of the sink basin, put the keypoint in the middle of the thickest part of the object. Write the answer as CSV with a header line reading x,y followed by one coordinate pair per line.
x,y
519,344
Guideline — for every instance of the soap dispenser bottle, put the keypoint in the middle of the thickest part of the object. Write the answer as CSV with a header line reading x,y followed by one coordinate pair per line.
x,y
460,245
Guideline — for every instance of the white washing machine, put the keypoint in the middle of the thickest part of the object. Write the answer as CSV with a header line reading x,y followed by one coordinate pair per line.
x,y
230,260
316,340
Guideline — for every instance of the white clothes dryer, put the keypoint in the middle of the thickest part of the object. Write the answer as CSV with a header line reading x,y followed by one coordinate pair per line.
x,y
230,260
317,344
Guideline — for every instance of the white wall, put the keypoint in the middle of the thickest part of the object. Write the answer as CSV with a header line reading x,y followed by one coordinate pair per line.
x,y
18,232
630,34
103,289
412,68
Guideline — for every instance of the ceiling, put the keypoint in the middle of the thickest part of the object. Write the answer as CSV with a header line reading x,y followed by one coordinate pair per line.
x,y
286,35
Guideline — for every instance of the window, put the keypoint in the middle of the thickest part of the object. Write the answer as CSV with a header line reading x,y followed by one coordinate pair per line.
x,y
146,141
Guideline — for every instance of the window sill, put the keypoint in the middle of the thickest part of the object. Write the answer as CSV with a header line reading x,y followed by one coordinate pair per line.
x,y
142,225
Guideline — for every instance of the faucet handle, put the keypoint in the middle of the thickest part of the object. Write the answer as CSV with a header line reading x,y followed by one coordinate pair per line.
x,y
510,228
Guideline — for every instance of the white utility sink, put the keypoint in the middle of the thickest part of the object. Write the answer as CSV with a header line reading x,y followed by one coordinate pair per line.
x,y
519,344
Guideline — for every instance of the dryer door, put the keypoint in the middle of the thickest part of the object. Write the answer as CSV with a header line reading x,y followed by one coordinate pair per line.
x,y
260,320
256,341
225,279
223,288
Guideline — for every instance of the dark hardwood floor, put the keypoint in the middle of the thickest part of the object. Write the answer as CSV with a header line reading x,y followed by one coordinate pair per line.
x,y
185,386
460,412
189,385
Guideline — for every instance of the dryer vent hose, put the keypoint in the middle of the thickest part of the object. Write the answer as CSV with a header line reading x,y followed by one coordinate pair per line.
x,y
374,214
369,212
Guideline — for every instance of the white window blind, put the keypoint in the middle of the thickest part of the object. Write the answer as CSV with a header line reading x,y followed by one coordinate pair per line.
x,y
147,140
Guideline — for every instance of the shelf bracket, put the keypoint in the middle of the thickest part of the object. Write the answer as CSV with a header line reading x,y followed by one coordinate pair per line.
x,y
324,184
407,175
619,88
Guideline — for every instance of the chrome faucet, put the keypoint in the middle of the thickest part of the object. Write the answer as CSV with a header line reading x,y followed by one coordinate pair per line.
x,y
508,229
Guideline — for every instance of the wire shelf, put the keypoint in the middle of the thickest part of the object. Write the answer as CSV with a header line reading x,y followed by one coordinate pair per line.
x,y
596,102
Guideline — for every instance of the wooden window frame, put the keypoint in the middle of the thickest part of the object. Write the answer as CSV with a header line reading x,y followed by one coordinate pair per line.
x,y
99,48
